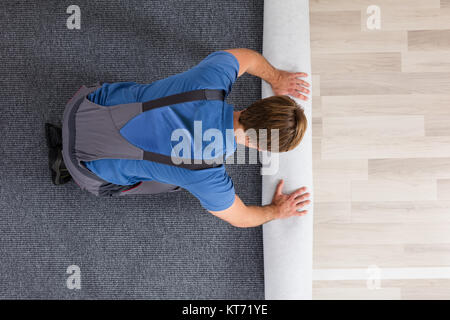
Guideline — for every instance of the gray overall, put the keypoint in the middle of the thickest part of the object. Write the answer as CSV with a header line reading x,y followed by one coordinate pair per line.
x,y
91,132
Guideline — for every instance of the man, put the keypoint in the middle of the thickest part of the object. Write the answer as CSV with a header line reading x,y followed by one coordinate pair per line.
x,y
152,131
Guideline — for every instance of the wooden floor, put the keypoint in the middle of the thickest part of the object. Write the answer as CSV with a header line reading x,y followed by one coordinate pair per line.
x,y
381,140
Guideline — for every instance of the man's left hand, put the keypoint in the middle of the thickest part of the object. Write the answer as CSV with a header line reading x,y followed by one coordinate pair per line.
x,y
289,83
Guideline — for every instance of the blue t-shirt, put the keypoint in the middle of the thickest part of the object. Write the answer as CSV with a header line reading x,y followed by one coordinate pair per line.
x,y
152,130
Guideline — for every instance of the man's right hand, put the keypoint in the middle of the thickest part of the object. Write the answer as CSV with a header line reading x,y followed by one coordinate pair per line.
x,y
282,206
287,205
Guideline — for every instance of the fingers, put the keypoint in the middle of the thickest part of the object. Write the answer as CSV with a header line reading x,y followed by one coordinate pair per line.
x,y
296,89
300,96
303,83
301,213
300,82
297,192
299,74
298,86
291,204
278,190
302,204
301,89
302,197
295,93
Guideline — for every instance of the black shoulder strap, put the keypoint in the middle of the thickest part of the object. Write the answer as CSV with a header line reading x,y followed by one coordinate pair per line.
x,y
202,94
161,158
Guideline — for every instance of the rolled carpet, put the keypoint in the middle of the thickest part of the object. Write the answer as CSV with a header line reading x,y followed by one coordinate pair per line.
x,y
288,242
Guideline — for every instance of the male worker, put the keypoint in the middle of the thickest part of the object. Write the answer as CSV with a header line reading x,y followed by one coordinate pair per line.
x,y
152,131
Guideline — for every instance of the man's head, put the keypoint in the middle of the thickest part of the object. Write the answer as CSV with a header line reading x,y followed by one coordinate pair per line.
x,y
276,112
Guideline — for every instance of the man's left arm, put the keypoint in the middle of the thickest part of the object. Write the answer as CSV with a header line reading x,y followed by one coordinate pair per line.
x,y
282,82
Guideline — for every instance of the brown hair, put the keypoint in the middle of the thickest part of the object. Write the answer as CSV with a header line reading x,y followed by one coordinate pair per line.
x,y
276,112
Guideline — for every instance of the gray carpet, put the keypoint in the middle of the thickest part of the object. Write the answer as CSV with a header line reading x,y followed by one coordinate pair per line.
x,y
145,247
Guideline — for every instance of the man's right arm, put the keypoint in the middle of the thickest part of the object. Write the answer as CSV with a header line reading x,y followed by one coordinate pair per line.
x,y
282,206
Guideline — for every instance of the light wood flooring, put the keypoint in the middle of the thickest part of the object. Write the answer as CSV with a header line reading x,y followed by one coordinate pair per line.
x,y
381,145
